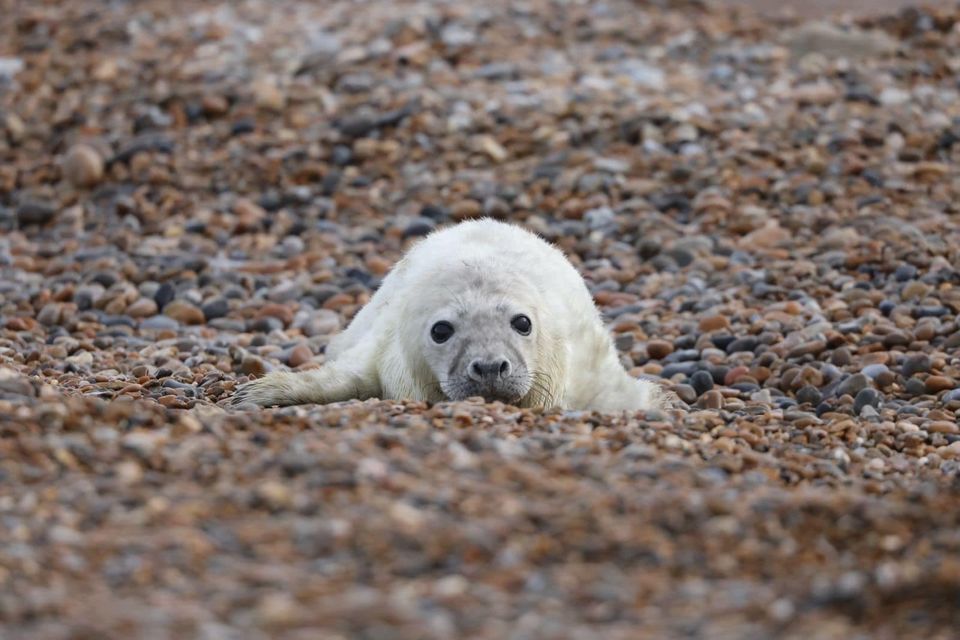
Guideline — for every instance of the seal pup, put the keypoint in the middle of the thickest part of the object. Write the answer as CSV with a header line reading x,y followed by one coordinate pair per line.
x,y
482,308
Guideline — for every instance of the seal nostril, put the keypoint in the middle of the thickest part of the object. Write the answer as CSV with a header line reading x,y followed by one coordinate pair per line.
x,y
485,371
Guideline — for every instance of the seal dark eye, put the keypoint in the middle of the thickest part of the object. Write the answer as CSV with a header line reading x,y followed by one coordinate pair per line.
x,y
521,324
441,332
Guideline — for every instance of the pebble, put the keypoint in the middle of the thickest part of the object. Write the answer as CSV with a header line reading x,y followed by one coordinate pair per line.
x,y
215,308
142,308
299,355
252,366
466,209
159,323
917,363
809,394
659,349
184,312
267,95
82,166
866,398
712,400
34,212
853,385
685,392
936,384
713,323
701,381
164,295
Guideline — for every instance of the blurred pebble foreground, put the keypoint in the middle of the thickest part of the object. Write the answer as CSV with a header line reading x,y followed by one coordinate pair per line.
x,y
765,209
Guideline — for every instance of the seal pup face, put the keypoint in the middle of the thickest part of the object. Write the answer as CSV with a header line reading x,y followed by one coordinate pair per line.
x,y
482,341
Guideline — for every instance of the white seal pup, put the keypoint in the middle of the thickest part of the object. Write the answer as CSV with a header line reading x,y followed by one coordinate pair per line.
x,y
482,308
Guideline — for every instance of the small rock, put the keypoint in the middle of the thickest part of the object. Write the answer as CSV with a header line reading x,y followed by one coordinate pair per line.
x,y
164,294
943,426
466,209
34,212
915,387
419,227
809,394
733,375
159,323
831,41
321,322
491,148
872,371
813,347
50,315
82,166
81,359
659,349
299,355
853,385
142,308
184,312
275,495
712,400
866,397
267,95
713,323
685,392
936,384
770,235
9,68
919,363
841,357
252,366
701,382
215,308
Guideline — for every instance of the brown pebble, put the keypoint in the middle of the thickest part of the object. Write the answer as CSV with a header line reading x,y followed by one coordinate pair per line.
x,y
936,384
943,426
841,357
278,311
713,323
659,349
735,374
378,265
300,354
142,308
214,105
813,347
712,399
466,209
338,301
184,312
249,214
82,166
252,366
267,95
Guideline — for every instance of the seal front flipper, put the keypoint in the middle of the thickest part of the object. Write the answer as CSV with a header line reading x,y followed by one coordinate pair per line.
x,y
348,377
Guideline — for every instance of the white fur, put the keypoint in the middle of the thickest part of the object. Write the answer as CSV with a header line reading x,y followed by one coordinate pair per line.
x,y
382,352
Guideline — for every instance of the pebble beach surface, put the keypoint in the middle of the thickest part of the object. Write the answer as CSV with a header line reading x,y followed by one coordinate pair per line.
x,y
195,193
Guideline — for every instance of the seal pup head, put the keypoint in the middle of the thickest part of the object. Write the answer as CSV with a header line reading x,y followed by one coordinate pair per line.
x,y
480,333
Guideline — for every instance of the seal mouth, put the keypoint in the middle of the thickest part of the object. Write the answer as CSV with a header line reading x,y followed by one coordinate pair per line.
x,y
509,391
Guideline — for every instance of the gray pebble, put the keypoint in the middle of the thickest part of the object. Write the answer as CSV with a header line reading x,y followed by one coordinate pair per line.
x,y
853,385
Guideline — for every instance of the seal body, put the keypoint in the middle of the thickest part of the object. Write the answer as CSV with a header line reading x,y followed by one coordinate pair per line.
x,y
482,308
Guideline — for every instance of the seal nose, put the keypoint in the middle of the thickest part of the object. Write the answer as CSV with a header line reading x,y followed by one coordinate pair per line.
x,y
490,370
